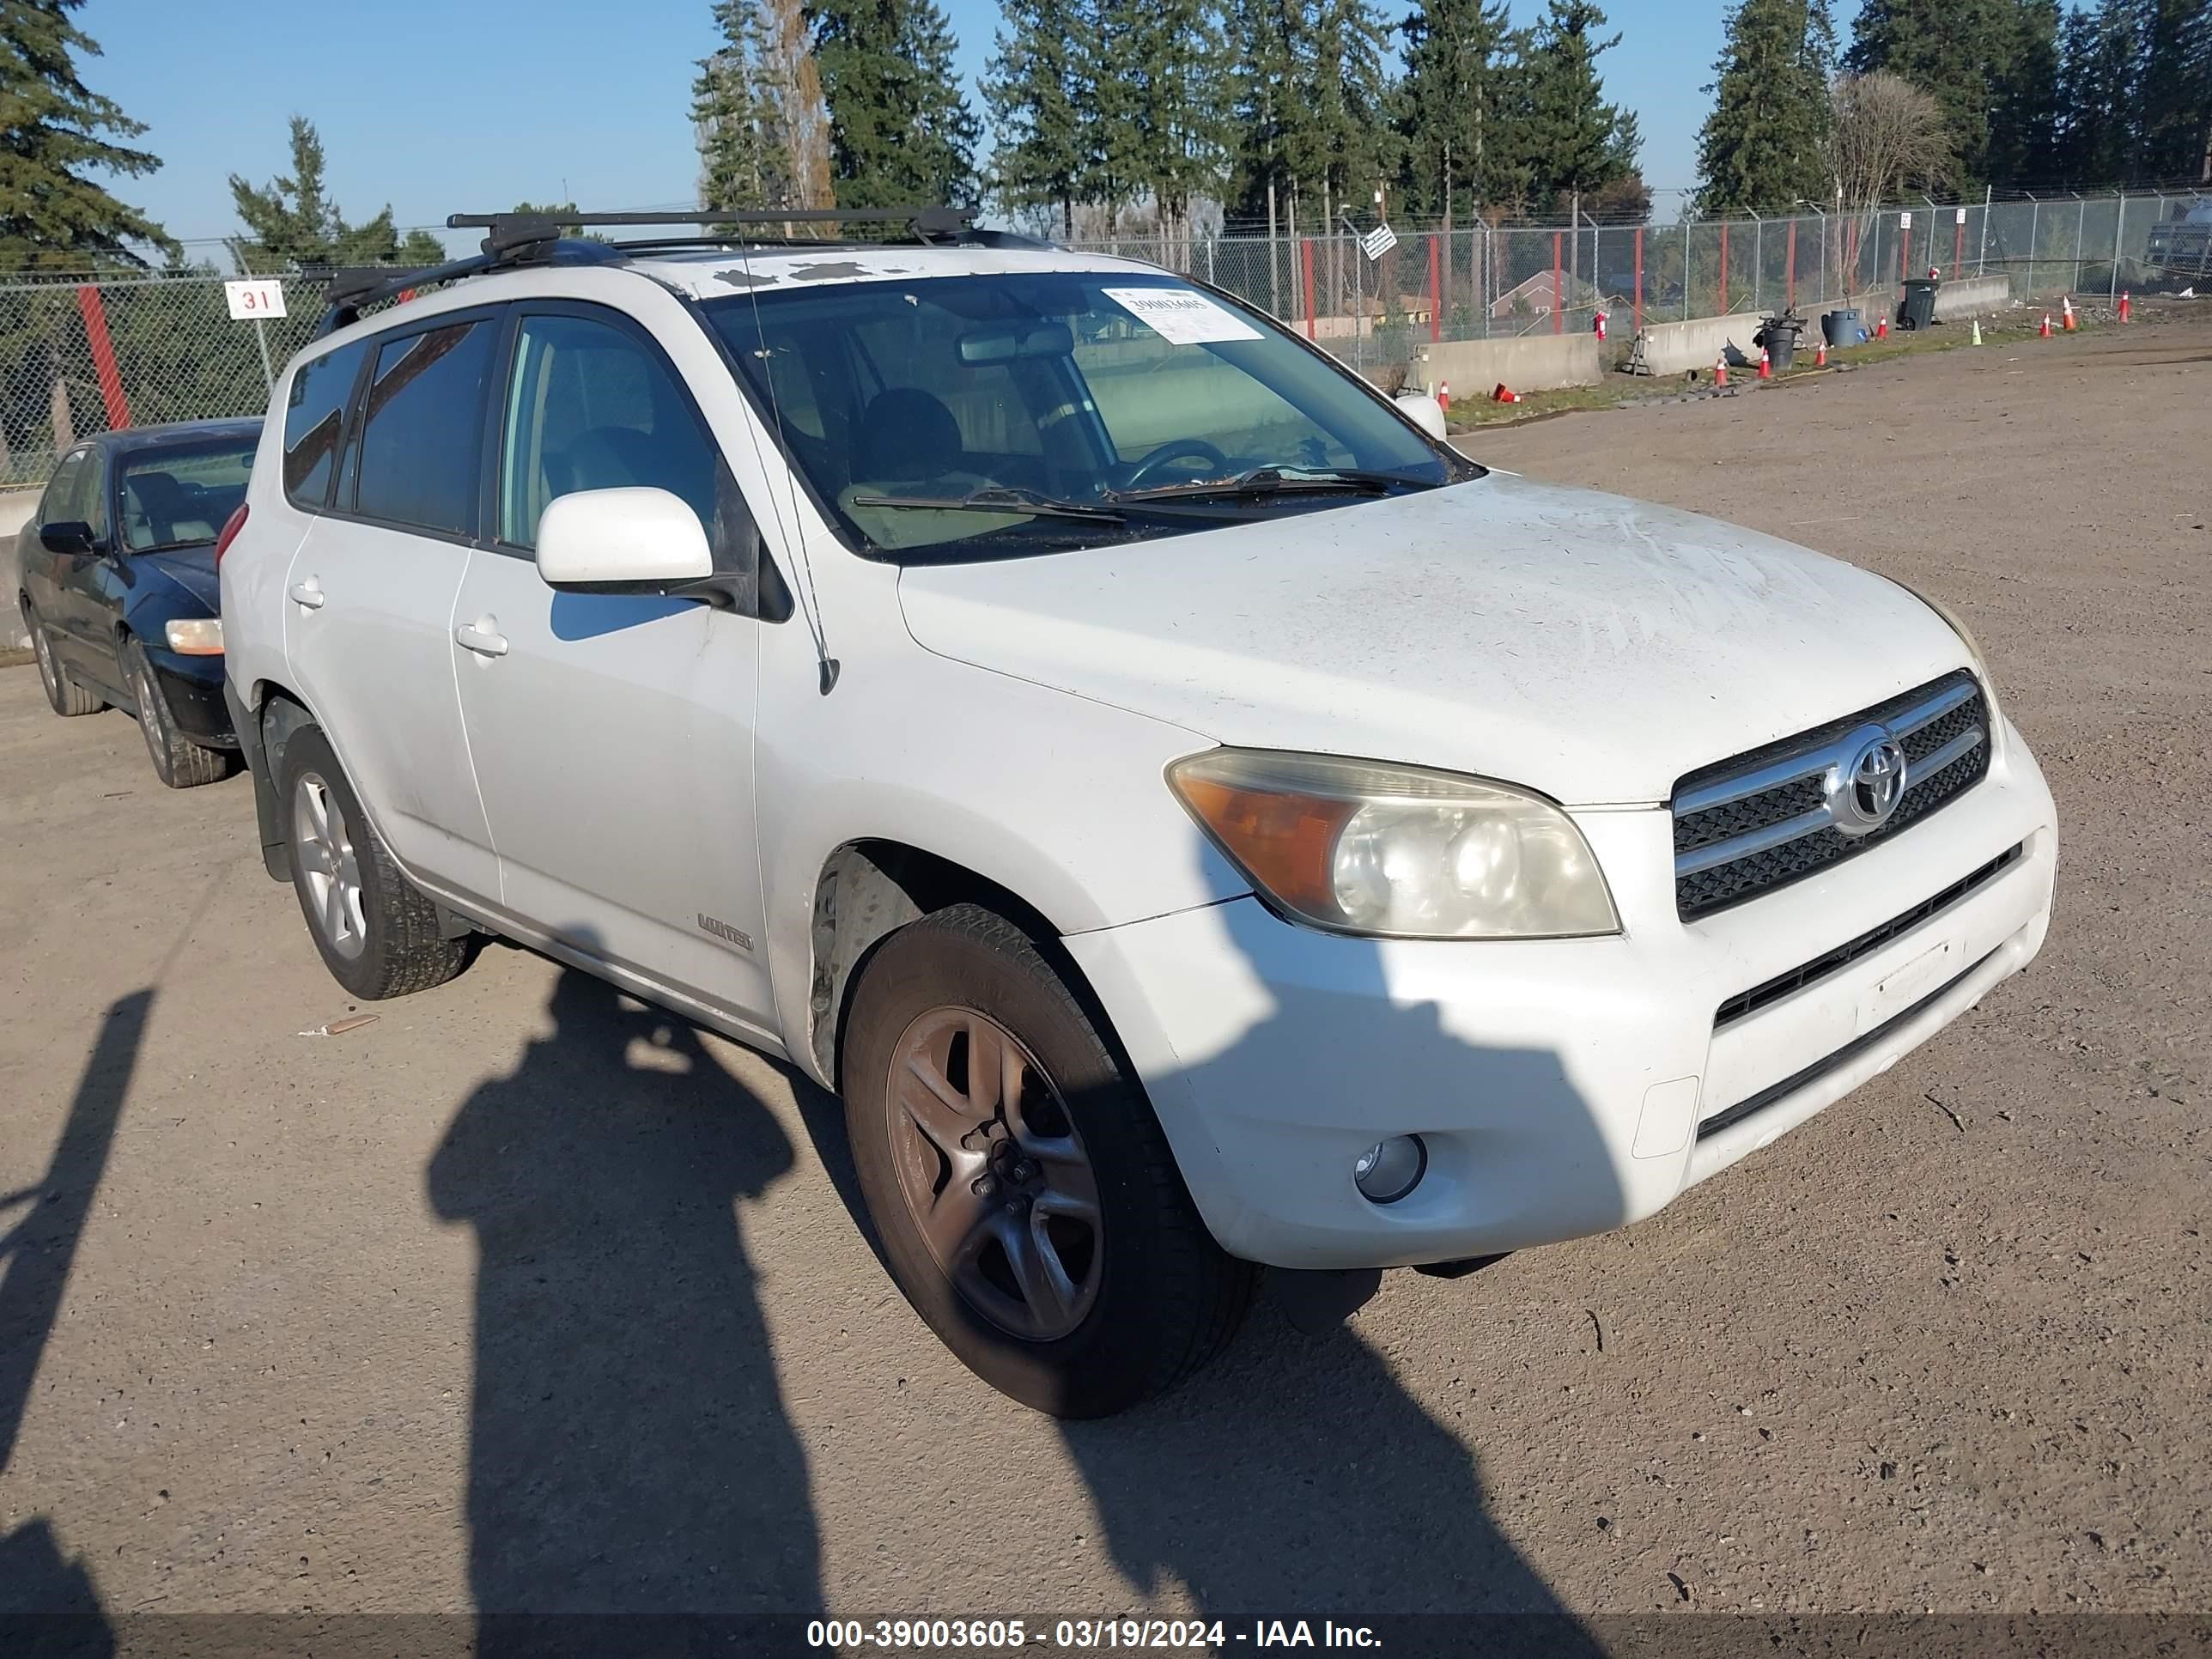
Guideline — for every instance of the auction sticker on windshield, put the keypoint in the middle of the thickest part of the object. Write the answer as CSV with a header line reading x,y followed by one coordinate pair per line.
x,y
1179,316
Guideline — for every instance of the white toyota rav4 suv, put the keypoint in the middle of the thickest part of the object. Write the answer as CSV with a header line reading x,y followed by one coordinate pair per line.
x,y
1194,817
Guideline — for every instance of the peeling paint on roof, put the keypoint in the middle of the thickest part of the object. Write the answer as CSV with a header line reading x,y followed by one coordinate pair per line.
x,y
744,279
832,270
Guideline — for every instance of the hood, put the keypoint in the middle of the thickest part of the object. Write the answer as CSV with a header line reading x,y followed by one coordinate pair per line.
x,y
1590,647
191,569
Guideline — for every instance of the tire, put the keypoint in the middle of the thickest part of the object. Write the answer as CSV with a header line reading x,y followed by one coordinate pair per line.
x,y
378,936
1157,1297
178,761
64,696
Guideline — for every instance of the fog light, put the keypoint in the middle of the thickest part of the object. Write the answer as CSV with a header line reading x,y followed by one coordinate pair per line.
x,y
1390,1168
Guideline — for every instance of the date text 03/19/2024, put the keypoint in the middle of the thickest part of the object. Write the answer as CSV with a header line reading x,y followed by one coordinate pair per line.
x,y
1082,1635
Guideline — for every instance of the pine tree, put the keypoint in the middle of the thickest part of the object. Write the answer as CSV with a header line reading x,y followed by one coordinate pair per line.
x,y
737,168
1954,50
292,221
901,130
2098,65
1038,91
2174,91
1275,137
1576,141
54,130
1762,145
1178,63
1448,101
2024,117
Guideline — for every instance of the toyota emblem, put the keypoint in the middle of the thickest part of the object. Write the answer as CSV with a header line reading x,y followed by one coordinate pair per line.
x,y
1863,794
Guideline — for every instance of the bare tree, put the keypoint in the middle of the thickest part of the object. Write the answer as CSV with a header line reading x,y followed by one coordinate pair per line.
x,y
1883,133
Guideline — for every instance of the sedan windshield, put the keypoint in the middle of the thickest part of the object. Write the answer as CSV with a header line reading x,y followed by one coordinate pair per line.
x,y
180,497
976,417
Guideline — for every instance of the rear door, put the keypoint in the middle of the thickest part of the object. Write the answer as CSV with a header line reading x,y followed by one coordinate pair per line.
x,y
369,597
612,734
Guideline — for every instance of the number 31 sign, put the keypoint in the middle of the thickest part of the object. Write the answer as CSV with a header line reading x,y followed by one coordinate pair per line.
x,y
255,297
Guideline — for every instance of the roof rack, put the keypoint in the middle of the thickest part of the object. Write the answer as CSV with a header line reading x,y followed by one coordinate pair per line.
x,y
513,240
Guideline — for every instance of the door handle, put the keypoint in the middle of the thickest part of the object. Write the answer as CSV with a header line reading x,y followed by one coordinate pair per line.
x,y
307,594
482,637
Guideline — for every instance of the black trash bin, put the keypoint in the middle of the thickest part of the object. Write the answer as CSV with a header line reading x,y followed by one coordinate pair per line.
x,y
1918,308
1779,336
1840,327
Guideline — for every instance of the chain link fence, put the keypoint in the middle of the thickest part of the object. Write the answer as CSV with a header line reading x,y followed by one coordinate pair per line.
x,y
1497,281
78,356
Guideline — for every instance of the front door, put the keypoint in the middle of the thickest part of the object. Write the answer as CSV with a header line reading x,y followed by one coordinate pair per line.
x,y
613,735
369,597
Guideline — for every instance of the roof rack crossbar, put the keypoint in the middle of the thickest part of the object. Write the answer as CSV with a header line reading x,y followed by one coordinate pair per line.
x,y
509,231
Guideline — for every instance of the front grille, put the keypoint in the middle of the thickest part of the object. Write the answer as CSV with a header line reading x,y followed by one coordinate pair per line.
x,y
1762,819
1746,1003
1727,1117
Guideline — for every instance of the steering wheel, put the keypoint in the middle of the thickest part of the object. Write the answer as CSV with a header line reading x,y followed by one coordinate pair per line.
x,y
1176,449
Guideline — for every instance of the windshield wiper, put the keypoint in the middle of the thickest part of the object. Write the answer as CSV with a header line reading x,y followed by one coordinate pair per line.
x,y
1278,481
998,498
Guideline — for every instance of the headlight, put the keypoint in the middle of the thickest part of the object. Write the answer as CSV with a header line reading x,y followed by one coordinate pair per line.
x,y
200,636
1396,851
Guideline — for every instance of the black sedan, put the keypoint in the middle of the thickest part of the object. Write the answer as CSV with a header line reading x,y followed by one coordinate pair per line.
x,y
119,585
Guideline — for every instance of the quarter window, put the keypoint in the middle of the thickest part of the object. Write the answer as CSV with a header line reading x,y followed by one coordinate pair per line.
x,y
422,431
73,496
315,415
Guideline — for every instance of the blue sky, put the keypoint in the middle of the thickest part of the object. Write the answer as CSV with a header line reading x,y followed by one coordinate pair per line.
x,y
444,105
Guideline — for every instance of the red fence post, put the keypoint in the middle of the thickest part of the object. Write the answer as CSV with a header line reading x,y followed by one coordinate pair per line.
x,y
1559,293
1436,297
1305,263
103,357
1904,253
1957,242
1790,271
1724,268
1638,326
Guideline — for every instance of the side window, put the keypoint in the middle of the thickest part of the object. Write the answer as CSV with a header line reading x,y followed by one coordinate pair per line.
x,y
314,414
64,502
591,407
422,429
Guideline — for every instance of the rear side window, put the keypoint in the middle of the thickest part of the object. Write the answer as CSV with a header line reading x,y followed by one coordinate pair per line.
x,y
423,431
314,415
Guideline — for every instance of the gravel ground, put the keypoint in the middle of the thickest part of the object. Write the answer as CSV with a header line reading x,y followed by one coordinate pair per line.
x,y
523,1298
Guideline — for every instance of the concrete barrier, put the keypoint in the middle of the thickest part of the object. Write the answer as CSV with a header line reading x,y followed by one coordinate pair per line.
x,y
16,507
1672,348
1971,296
1526,362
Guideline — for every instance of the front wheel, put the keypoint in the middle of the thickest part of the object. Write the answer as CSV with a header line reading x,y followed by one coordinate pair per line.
x,y
178,761
1028,1206
379,936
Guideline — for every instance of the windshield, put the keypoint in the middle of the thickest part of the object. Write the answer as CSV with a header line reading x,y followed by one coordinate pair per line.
x,y
972,417
180,497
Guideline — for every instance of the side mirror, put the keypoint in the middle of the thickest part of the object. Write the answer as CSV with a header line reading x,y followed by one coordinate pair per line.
x,y
622,541
1424,412
66,535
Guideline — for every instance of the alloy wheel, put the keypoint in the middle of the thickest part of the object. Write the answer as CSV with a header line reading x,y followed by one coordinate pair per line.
x,y
325,847
993,1175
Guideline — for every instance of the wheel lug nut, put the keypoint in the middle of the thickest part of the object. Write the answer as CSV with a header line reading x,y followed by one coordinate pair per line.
x,y
985,1186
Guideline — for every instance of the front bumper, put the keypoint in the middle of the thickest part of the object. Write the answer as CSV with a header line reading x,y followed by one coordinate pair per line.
x,y
194,697
1560,1085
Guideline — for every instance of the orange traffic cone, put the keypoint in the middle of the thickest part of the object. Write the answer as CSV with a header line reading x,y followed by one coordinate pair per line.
x,y
1882,328
2125,317
1443,396
1505,394
2045,331
1821,357
1720,371
2066,306
1765,365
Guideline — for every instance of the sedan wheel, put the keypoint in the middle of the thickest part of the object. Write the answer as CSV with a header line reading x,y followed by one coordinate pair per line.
x,y
993,1175
328,863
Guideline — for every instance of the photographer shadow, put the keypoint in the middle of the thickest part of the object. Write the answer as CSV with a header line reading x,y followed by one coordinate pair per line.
x,y
629,1450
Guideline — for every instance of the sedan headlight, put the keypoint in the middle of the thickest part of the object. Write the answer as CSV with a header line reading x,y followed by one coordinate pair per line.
x,y
195,636
1396,851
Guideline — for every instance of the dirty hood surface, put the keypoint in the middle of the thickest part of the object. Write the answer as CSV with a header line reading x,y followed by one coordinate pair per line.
x,y
1590,647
